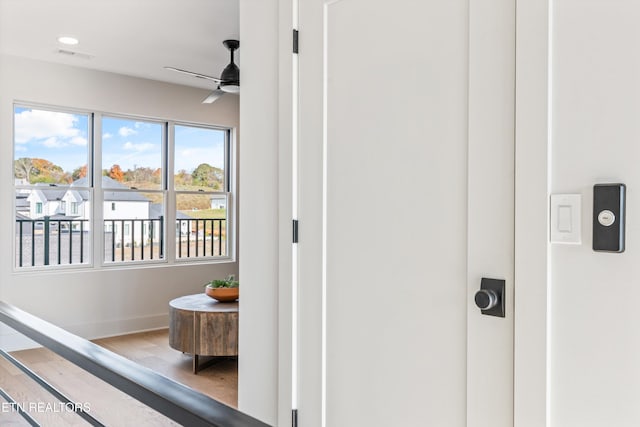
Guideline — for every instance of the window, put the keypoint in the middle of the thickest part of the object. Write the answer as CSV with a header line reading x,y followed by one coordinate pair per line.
x,y
140,169
51,154
202,186
132,177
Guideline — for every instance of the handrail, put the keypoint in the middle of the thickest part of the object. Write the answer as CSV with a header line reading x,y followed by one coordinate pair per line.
x,y
176,401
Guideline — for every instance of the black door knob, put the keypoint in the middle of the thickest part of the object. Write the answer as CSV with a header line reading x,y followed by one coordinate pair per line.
x,y
486,299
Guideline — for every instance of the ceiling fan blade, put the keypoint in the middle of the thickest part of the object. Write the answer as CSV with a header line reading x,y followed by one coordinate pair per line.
x,y
191,73
213,96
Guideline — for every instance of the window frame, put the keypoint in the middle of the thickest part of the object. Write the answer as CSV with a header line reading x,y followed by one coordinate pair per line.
x,y
95,249
88,161
125,229
226,191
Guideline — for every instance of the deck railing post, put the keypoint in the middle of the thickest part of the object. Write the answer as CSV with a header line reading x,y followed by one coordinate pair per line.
x,y
46,239
161,236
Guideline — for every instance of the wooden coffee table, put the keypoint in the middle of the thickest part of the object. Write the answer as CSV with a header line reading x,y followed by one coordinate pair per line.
x,y
202,326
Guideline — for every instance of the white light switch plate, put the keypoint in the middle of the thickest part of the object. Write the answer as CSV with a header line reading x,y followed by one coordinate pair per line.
x,y
566,226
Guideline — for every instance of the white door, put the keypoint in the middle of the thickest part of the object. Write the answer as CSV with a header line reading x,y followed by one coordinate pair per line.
x,y
406,137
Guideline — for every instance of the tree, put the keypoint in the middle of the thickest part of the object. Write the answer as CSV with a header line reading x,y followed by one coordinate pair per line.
x,y
207,175
35,170
183,178
116,173
80,172
23,168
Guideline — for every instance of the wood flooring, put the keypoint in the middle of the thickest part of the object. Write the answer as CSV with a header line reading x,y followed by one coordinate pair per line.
x,y
107,404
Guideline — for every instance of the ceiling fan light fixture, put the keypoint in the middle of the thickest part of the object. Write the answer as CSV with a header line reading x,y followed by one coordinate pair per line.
x,y
68,40
230,87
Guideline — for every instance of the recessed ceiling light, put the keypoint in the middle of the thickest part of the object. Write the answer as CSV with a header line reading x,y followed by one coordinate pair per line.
x,y
68,40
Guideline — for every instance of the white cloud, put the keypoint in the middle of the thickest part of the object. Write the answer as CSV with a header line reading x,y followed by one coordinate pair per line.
x,y
107,135
189,158
32,125
78,140
53,142
139,147
125,131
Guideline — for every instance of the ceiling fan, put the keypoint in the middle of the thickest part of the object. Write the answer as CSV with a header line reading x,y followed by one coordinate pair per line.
x,y
229,80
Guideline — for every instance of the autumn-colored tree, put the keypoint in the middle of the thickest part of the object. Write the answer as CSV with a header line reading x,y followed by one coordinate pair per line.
x,y
116,173
35,170
80,172
183,178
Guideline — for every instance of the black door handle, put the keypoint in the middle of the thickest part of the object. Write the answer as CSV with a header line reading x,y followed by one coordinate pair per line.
x,y
490,297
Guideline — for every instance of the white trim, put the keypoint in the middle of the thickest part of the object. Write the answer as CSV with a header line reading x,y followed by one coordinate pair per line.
x,y
311,209
11,340
287,138
531,368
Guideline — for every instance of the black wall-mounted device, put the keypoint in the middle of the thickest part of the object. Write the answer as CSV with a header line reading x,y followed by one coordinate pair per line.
x,y
608,217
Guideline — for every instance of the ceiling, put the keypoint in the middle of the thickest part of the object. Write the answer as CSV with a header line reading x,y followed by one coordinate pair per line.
x,y
132,37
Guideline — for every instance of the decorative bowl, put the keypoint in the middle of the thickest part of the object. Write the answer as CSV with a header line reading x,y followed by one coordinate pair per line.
x,y
222,294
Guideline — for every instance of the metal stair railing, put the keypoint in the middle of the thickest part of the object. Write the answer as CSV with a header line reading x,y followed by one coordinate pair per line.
x,y
170,398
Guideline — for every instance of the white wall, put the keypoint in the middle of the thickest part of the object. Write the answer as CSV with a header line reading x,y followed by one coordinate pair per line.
x,y
595,320
258,355
98,302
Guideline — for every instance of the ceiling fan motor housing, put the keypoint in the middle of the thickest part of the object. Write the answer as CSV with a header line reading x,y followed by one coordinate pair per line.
x,y
231,74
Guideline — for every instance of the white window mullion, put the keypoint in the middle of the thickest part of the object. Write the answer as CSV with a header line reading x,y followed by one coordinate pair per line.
x,y
170,194
95,173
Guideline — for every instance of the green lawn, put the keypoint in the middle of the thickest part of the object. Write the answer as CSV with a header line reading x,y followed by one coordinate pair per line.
x,y
206,213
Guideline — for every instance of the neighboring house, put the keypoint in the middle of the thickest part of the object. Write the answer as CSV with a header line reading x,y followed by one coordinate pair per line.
x,y
22,205
182,227
218,202
45,201
124,211
120,210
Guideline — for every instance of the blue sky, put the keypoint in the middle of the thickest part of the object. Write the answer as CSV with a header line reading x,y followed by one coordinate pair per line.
x,y
58,137
62,138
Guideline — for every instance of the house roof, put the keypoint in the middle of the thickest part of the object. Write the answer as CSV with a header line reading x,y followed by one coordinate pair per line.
x,y
111,196
22,202
124,196
51,192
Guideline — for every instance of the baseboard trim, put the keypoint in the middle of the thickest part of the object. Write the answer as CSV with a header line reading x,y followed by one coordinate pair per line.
x,y
13,341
